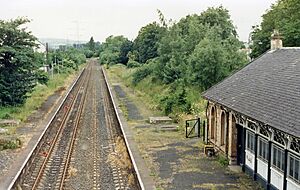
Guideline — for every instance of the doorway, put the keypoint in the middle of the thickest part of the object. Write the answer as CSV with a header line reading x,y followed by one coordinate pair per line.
x,y
240,145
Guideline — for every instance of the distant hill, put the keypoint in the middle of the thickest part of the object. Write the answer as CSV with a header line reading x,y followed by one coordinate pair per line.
x,y
54,43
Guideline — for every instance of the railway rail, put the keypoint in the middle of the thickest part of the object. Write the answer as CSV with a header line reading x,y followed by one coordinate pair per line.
x,y
86,118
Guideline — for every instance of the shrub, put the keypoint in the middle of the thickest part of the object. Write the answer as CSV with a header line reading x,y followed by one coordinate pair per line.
x,y
88,53
176,101
140,74
223,160
10,144
133,64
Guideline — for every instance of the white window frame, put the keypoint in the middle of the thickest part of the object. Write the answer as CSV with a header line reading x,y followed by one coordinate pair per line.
x,y
281,159
250,138
290,155
266,153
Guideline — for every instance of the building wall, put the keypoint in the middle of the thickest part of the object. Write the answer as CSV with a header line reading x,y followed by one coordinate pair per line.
x,y
269,154
222,126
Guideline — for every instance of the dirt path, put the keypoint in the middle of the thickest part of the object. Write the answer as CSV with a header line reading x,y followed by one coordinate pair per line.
x,y
176,163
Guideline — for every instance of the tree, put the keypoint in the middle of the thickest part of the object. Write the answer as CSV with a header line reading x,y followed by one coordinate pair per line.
x,y
18,70
91,44
146,43
220,17
125,48
283,16
115,49
215,58
194,53
181,40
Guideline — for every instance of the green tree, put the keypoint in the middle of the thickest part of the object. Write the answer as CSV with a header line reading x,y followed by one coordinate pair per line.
x,y
284,16
115,50
146,43
220,17
18,70
181,39
91,44
215,58
125,48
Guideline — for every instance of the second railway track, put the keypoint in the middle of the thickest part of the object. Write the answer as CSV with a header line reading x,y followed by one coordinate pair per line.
x,y
83,147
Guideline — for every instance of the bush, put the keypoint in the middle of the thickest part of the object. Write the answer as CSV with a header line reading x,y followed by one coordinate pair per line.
x,y
10,144
133,64
88,53
176,101
140,74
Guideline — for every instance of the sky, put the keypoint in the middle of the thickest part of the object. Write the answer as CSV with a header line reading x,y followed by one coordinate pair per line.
x,y
81,19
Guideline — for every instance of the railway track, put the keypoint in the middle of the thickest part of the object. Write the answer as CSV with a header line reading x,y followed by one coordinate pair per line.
x,y
83,145
49,168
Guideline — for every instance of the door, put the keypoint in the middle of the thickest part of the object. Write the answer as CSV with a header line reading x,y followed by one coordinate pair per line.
x,y
240,145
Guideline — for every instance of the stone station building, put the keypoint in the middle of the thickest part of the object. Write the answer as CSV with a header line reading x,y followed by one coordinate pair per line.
x,y
254,117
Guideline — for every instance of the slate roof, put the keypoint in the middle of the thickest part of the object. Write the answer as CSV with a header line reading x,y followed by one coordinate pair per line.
x,y
267,89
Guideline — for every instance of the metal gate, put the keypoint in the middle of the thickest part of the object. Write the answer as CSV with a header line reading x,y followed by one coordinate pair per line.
x,y
193,128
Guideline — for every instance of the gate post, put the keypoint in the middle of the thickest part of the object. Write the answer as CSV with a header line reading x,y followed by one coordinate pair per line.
x,y
203,131
186,129
199,126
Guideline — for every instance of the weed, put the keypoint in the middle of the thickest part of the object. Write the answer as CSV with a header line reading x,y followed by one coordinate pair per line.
x,y
72,171
10,144
223,161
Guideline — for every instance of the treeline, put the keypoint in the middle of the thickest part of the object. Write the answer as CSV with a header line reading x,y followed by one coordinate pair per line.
x,y
283,16
192,54
22,68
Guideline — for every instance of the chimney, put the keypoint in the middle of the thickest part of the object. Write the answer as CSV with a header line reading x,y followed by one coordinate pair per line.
x,y
276,42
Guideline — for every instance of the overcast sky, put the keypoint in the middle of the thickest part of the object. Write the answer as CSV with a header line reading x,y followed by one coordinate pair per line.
x,y
81,19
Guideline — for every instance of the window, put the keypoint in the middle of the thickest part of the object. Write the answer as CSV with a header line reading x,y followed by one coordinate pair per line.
x,y
263,149
250,141
223,128
278,158
294,168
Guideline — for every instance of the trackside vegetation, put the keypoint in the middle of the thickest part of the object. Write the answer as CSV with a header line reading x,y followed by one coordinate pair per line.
x,y
28,77
18,69
171,63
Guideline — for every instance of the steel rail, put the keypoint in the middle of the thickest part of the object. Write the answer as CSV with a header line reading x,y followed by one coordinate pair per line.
x,y
95,139
71,146
37,147
53,143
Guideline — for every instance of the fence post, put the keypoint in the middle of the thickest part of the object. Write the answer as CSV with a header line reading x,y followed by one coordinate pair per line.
x,y
186,129
203,131
199,126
